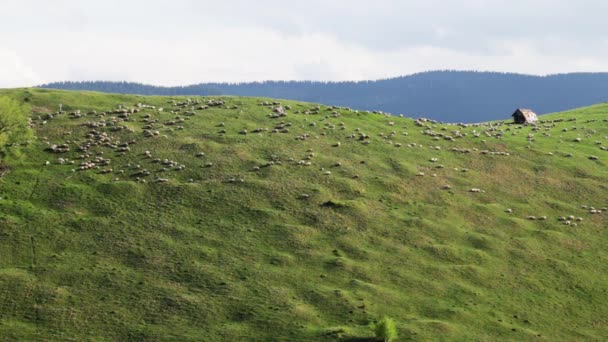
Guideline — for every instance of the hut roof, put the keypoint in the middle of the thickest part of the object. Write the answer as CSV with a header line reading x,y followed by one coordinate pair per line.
x,y
527,113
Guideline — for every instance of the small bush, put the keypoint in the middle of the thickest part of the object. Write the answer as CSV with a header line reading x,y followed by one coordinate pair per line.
x,y
13,123
385,329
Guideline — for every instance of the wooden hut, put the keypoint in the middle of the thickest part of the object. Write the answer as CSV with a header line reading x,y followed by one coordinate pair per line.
x,y
524,116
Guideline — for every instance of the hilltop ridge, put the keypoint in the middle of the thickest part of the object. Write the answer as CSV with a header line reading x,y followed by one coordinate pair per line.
x,y
449,96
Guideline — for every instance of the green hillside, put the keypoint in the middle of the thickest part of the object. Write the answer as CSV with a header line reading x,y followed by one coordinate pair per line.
x,y
225,219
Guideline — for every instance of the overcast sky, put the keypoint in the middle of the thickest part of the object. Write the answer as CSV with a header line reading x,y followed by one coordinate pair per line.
x,y
179,42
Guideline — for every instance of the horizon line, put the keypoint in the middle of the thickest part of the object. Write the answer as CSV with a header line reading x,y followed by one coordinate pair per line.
x,y
321,81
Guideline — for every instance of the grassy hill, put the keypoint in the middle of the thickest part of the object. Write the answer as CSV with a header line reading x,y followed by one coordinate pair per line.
x,y
226,220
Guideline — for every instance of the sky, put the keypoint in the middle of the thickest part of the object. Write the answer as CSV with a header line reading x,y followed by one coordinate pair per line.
x,y
181,42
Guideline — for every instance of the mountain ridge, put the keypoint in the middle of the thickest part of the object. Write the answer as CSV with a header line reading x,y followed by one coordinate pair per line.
x,y
449,96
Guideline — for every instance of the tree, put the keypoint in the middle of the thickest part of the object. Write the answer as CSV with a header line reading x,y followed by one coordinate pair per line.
x,y
386,329
13,122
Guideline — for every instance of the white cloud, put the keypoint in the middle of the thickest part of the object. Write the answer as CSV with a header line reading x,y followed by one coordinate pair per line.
x,y
190,41
14,73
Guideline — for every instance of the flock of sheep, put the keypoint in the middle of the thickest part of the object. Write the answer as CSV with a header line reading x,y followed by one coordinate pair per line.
x,y
110,131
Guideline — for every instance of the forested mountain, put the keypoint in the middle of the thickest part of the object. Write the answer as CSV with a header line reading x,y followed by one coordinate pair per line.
x,y
456,96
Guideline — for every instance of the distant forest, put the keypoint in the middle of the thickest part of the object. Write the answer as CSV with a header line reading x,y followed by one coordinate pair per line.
x,y
451,96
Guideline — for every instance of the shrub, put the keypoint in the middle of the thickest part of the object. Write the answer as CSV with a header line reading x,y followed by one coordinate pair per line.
x,y
13,123
386,329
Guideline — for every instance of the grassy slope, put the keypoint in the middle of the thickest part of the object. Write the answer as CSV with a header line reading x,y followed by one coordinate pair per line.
x,y
87,257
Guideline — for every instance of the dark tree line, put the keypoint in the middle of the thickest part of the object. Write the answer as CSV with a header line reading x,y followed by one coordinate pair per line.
x,y
455,96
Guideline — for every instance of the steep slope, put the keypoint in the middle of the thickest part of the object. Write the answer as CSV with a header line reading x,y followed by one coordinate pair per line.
x,y
450,96
239,219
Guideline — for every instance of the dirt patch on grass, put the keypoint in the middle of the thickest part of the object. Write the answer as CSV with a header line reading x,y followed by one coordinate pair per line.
x,y
4,170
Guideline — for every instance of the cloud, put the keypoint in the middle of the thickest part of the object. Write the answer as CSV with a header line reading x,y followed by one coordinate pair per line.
x,y
14,73
190,41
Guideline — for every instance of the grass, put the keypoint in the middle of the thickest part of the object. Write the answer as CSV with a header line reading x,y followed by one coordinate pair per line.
x,y
86,256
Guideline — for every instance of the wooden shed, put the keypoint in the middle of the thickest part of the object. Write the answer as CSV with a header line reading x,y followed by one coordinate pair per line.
x,y
524,116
